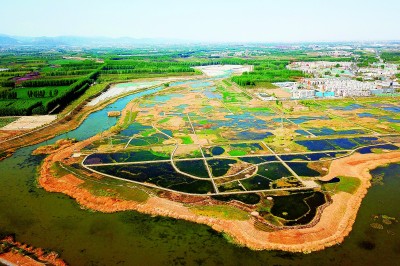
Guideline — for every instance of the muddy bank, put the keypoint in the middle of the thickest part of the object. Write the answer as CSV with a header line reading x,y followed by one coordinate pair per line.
x,y
16,253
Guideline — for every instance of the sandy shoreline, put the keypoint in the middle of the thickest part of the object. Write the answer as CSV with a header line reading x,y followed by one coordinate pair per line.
x,y
29,122
335,223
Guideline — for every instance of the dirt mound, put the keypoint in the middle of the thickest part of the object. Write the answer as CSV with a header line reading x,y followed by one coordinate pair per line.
x,y
60,144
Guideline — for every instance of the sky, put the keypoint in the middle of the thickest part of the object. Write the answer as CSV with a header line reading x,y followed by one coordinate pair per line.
x,y
205,20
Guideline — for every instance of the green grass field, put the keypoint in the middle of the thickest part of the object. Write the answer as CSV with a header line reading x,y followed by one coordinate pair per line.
x,y
223,212
346,184
6,120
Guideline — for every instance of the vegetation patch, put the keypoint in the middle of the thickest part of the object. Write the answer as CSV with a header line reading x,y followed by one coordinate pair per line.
x,y
122,192
221,211
58,171
346,184
6,120
237,153
186,140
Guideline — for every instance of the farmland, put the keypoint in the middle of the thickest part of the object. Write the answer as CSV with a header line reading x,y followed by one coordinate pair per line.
x,y
38,84
40,81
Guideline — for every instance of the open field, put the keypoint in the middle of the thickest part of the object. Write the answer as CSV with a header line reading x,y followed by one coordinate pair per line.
x,y
29,122
221,70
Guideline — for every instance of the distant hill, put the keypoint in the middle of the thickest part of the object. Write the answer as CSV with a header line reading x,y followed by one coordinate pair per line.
x,y
6,40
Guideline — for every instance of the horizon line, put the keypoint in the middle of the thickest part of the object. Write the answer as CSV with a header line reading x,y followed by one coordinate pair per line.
x,y
202,41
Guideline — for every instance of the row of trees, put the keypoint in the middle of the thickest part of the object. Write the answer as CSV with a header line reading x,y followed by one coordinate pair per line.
x,y
150,70
251,79
61,99
67,72
18,110
267,71
36,93
75,90
48,82
391,56
7,84
41,93
8,94
366,60
12,74
142,66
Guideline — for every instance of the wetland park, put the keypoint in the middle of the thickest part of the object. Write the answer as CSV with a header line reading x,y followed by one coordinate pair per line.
x,y
202,160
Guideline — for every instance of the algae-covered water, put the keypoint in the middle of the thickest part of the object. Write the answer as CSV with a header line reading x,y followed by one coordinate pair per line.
x,y
82,237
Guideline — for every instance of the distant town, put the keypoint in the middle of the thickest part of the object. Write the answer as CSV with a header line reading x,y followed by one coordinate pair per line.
x,y
342,79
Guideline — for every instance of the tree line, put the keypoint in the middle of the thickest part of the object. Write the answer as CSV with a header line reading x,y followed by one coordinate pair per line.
x,y
48,82
7,95
67,73
41,93
74,91
7,83
17,110
62,99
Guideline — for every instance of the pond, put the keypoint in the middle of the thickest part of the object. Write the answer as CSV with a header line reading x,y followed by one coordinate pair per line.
x,y
302,119
258,159
120,157
159,174
324,131
220,167
394,109
248,198
273,171
217,150
133,129
316,145
369,149
302,169
256,182
297,208
349,107
193,167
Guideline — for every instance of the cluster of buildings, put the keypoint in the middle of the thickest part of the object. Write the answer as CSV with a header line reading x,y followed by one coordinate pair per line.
x,y
378,71
336,53
336,87
342,79
324,68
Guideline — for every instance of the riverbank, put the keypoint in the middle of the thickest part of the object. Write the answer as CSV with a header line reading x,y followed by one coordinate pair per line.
x,y
16,253
334,225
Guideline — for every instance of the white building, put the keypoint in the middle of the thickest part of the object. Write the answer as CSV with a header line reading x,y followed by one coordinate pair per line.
x,y
303,94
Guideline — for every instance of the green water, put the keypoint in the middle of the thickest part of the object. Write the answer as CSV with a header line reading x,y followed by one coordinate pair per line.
x,y
82,237
54,221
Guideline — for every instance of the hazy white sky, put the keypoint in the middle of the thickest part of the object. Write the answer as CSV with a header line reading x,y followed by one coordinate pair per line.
x,y
205,20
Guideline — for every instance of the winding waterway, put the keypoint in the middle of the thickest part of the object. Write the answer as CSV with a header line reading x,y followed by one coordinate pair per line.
x,y
83,237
